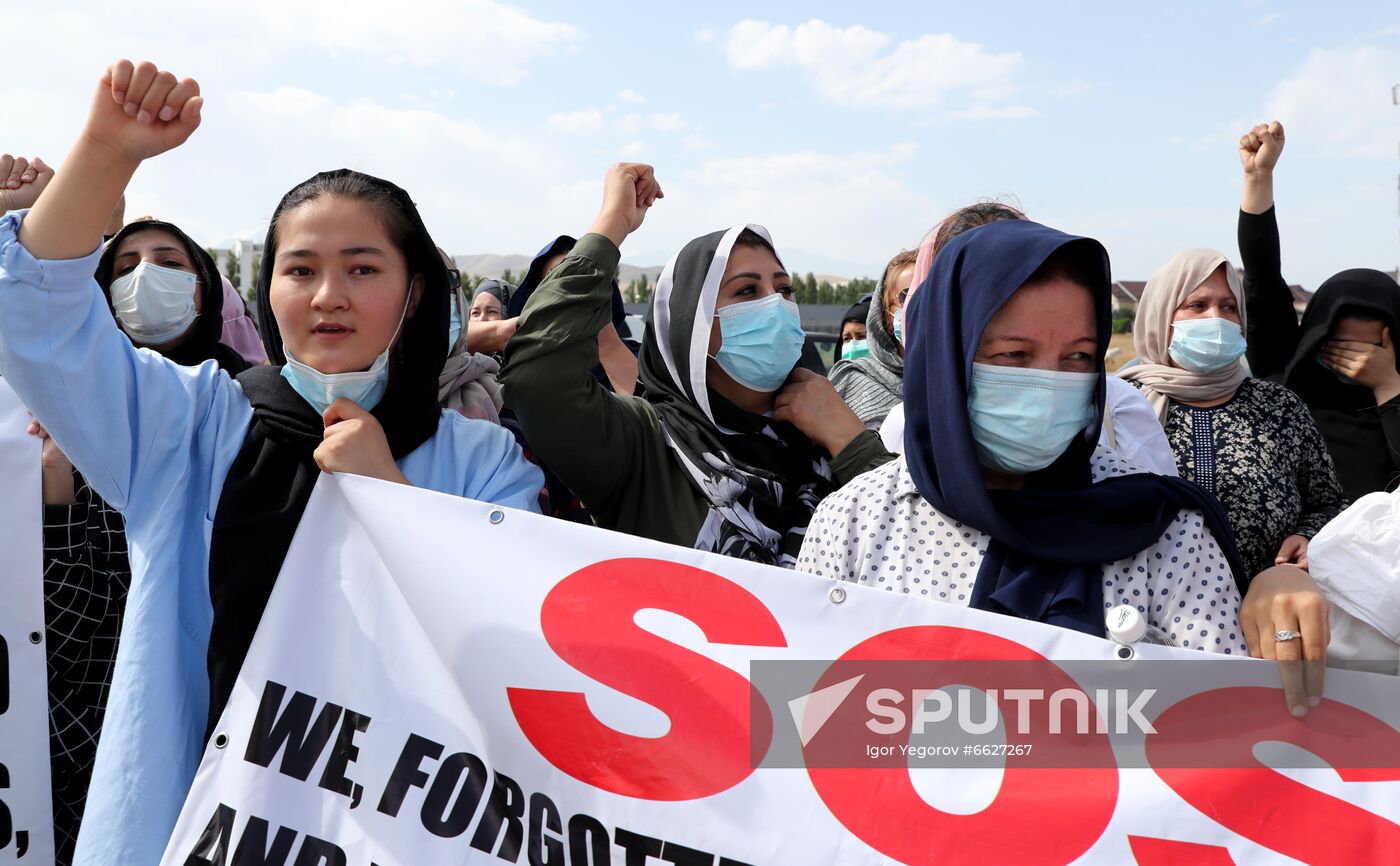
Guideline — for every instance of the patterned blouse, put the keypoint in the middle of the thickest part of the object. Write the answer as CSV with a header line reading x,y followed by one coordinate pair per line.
x,y
879,531
1262,455
86,577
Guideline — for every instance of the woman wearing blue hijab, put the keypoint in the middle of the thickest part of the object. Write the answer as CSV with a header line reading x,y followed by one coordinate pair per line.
x,y
1001,501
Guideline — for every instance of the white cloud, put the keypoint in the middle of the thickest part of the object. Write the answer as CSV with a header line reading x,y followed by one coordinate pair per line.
x,y
697,142
456,168
998,112
880,211
588,121
706,35
1338,103
861,67
630,95
1266,20
284,102
667,122
629,124
483,40
634,148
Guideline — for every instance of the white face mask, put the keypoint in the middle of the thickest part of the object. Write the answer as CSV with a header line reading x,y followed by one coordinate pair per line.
x,y
154,304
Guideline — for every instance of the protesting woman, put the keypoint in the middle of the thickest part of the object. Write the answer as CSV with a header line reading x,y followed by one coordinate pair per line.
x,y
1250,442
1130,427
212,475
732,446
1341,358
166,295
1002,501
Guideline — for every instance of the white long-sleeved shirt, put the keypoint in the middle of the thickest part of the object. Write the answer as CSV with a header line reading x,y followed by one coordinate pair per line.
x,y
878,530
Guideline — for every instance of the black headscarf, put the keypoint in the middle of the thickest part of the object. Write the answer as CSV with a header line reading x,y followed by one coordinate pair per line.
x,y
857,312
763,479
1356,289
202,344
1050,540
270,480
497,289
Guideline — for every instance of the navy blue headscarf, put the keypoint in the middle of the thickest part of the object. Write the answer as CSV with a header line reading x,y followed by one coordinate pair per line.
x,y
1051,539
536,273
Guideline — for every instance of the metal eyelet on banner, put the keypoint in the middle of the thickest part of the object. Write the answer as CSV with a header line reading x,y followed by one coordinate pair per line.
x,y
496,516
35,637
837,595
220,740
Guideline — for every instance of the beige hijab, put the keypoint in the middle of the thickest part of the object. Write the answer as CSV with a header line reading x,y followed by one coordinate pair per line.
x,y
1152,333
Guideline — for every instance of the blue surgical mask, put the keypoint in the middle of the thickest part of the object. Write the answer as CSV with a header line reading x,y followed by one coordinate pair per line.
x,y
454,323
365,387
1341,377
899,325
1206,345
1024,419
855,349
762,341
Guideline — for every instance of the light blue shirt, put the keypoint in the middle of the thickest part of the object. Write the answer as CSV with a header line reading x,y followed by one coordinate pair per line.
x,y
155,440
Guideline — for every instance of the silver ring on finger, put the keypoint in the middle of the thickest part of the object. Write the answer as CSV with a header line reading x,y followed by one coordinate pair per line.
x,y
1284,635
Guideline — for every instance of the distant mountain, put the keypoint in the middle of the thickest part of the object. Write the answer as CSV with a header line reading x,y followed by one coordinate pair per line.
x,y
491,266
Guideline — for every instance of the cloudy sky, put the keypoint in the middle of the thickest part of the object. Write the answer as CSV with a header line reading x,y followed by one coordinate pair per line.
x,y
847,129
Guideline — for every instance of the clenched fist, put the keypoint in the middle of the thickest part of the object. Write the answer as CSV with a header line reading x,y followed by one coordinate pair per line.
x,y
140,111
1261,147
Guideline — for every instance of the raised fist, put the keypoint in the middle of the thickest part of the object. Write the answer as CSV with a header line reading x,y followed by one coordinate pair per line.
x,y
140,111
1261,147
21,181
629,190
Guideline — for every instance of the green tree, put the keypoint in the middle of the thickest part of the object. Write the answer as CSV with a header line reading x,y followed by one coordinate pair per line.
x,y
231,266
508,277
643,290
253,289
825,293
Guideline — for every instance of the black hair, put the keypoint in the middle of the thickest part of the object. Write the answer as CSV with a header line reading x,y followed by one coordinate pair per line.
x,y
394,218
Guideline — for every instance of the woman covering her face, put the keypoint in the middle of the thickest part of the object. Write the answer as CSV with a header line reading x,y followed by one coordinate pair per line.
x,y
212,475
732,446
1001,501
1250,442
1341,359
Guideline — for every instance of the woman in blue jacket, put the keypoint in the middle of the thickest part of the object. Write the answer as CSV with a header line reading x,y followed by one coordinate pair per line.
x,y
212,474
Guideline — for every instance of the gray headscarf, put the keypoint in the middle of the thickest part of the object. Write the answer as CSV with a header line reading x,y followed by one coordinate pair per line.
x,y
873,385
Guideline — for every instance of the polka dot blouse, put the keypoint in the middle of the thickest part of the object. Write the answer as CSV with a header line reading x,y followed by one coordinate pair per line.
x,y
878,531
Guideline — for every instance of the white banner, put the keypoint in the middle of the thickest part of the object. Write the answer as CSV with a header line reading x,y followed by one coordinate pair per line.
x,y
26,804
438,681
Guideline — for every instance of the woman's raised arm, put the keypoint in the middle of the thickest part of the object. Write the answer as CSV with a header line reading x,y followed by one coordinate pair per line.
x,y
137,112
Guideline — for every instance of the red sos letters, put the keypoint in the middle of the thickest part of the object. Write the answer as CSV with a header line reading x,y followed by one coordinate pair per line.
x,y
588,619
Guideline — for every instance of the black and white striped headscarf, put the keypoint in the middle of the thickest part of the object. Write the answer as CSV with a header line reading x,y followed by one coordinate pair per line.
x,y
763,479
